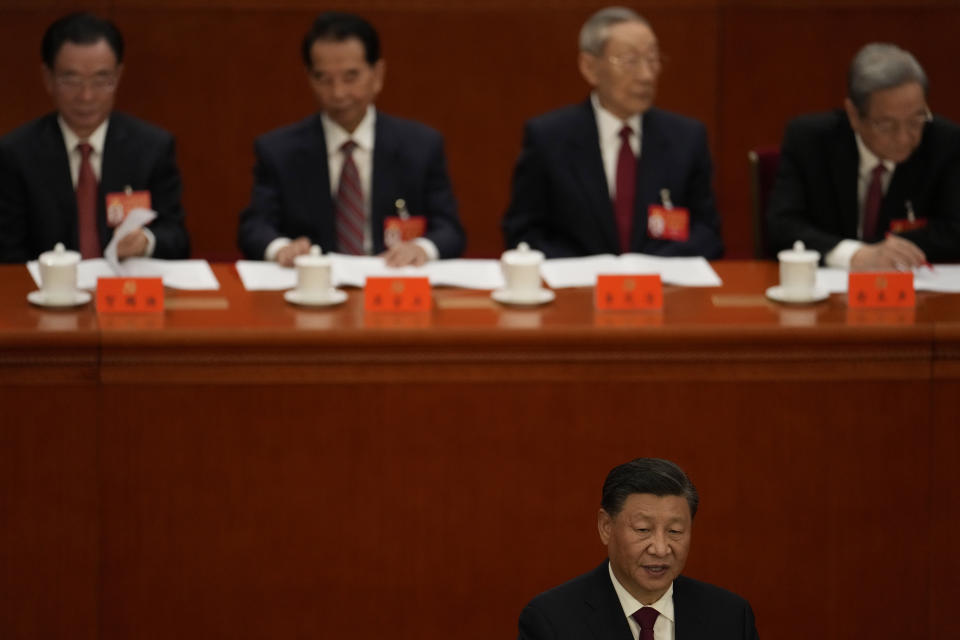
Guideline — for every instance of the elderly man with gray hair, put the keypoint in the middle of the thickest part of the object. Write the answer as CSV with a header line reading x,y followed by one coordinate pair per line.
x,y
614,174
875,185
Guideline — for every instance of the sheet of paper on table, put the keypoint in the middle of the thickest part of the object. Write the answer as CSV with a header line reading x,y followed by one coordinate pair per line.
x,y
352,271
560,273
188,275
943,278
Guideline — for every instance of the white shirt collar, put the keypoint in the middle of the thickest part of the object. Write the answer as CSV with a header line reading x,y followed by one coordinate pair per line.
x,y
630,604
869,160
362,135
609,125
96,139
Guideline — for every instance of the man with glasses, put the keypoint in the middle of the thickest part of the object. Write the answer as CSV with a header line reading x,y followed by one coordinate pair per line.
x,y
55,172
614,174
877,184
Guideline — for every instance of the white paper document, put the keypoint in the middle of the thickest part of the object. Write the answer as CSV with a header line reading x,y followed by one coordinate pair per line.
x,y
560,273
136,219
353,271
942,278
188,275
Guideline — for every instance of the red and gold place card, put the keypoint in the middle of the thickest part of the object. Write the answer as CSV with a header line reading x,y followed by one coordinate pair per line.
x,y
397,229
397,294
121,203
129,295
623,292
665,223
881,289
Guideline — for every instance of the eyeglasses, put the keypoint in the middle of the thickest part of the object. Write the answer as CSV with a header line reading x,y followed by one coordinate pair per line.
x,y
101,82
891,127
632,62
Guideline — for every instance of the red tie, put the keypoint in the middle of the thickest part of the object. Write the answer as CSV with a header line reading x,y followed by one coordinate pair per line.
x,y
87,206
871,208
646,617
626,189
349,216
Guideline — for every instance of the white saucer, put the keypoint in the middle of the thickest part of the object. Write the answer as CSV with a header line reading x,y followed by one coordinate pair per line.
x,y
333,298
777,293
39,298
542,296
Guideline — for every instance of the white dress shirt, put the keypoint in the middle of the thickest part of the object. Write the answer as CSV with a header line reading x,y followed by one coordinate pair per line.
x,y
663,628
609,126
841,254
364,136
96,141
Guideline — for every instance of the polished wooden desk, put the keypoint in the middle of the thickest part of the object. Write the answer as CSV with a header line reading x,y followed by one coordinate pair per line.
x,y
238,467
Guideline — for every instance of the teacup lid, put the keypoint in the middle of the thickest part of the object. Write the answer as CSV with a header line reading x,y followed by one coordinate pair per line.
x,y
59,257
799,253
313,259
523,254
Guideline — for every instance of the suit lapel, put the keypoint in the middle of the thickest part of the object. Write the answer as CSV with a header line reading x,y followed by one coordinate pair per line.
x,y
319,207
650,178
386,169
899,192
586,164
845,161
54,163
606,618
689,622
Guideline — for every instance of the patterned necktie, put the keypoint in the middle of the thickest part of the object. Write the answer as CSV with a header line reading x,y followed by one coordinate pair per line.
x,y
871,208
349,215
626,189
646,617
87,206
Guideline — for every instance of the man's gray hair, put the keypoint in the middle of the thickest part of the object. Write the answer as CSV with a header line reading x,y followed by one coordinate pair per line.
x,y
594,33
879,66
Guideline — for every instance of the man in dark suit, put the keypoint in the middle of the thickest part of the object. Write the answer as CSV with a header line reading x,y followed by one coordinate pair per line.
x,y
55,172
590,177
645,520
876,185
334,178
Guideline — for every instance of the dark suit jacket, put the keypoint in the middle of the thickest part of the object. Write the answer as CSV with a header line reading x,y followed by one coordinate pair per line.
x,y
561,204
291,190
814,198
38,204
587,608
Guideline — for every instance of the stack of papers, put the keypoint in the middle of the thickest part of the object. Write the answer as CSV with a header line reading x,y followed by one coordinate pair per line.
x,y
189,275
942,278
583,272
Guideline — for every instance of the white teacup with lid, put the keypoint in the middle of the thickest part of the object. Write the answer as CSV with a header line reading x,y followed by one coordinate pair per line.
x,y
521,271
313,274
58,275
798,273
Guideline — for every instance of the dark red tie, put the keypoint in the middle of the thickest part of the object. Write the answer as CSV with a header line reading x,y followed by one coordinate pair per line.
x,y
646,617
349,215
871,208
626,189
87,206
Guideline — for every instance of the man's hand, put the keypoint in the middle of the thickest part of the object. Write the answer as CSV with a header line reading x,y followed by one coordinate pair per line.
x,y
404,254
893,252
132,245
296,248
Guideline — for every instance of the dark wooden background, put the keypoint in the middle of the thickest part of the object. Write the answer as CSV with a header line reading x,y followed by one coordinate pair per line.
x,y
219,72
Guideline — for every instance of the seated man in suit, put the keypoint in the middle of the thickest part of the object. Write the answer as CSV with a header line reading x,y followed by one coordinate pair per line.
x,y
55,172
591,176
877,184
645,520
334,178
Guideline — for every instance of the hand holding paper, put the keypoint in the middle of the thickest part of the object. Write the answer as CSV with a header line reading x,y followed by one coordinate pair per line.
x,y
134,223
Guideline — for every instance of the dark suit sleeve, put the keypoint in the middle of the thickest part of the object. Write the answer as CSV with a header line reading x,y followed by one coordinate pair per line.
x,y
260,221
526,217
749,624
443,221
13,208
533,625
173,243
789,214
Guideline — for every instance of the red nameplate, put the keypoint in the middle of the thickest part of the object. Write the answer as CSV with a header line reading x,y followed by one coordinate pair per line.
x,y
129,295
619,292
880,289
906,224
668,224
121,203
397,229
397,294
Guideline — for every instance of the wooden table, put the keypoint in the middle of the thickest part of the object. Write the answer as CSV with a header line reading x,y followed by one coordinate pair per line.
x,y
238,467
